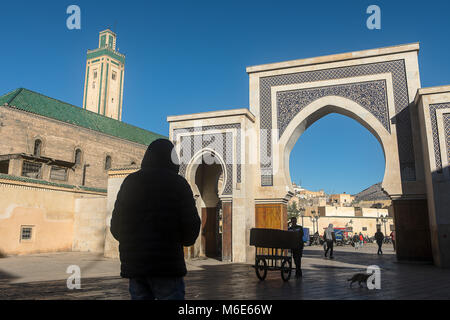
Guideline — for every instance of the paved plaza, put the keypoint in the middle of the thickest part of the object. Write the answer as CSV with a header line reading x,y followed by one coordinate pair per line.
x,y
44,276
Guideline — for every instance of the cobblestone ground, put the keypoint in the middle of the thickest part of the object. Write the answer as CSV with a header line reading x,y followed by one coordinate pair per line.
x,y
210,279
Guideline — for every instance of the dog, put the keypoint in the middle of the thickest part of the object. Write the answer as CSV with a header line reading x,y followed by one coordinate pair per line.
x,y
359,277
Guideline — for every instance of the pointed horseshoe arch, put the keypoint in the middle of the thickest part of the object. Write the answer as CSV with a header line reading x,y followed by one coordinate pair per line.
x,y
195,162
335,104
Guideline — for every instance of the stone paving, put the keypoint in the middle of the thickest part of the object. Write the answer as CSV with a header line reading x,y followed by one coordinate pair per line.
x,y
44,277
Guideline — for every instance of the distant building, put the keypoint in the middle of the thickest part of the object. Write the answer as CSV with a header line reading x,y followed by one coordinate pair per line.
x,y
297,188
307,194
341,199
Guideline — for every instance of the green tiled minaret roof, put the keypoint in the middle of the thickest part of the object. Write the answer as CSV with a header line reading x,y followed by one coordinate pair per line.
x,y
40,104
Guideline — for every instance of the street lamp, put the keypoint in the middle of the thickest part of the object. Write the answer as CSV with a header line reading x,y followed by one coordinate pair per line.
x,y
316,219
302,214
313,220
349,224
384,220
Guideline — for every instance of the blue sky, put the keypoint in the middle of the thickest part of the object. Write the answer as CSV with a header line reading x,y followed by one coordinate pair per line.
x,y
190,56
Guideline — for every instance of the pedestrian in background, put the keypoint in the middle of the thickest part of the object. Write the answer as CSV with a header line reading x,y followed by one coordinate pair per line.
x,y
330,239
324,241
393,238
355,240
361,240
379,237
298,251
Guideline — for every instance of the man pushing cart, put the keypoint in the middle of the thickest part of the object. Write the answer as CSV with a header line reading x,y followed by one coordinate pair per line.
x,y
274,250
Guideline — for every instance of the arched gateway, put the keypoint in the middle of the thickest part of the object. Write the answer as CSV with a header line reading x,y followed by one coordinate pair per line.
x,y
378,88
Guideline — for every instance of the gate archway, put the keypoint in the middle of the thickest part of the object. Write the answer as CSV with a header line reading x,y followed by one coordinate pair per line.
x,y
334,104
374,87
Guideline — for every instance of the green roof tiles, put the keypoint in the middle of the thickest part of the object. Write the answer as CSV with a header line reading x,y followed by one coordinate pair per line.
x,y
37,103
48,183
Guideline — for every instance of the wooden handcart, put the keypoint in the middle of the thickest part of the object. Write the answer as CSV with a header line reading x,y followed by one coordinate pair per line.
x,y
273,251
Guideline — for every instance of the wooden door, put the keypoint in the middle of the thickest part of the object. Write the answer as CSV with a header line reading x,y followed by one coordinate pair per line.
x,y
227,216
412,231
209,231
271,216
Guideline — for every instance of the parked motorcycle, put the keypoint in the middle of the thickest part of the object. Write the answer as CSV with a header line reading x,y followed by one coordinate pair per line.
x,y
314,240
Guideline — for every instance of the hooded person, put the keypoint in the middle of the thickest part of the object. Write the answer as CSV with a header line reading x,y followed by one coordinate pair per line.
x,y
330,239
154,216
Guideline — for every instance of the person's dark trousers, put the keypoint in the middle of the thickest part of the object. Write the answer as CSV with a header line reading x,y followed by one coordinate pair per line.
x,y
393,243
298,253
329,247
157,288
380,243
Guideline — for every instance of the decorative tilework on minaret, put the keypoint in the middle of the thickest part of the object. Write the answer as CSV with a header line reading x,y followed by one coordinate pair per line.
x,y
103,84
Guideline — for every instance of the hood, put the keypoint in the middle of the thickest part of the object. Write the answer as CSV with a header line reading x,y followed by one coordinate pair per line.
x,y
161,154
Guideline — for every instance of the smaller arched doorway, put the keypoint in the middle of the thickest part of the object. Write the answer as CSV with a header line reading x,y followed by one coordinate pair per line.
x,y
206,177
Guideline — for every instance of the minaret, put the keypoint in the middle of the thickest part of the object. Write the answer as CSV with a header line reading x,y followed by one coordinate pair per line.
x,y
103,83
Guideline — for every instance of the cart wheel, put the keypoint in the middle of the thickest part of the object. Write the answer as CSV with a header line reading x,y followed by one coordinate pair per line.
x,y
286,269
261,268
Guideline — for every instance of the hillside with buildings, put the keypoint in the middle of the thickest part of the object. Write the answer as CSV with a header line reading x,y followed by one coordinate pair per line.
x,y
362,212
372,197
373,192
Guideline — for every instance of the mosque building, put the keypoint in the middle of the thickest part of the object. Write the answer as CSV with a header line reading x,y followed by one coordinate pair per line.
x,y
55,158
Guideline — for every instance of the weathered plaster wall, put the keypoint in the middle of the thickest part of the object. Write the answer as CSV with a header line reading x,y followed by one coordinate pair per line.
x,y
50,211
89,224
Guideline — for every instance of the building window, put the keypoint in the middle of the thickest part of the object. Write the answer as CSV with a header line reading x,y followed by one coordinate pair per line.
x,y
391,227
77,157
31,169
364,229
37,147
58,173
4,166
93,85
108,163
95,74
114,75
26,233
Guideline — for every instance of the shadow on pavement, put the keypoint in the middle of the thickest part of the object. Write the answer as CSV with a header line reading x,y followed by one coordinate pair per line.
x,y
327,280
6,277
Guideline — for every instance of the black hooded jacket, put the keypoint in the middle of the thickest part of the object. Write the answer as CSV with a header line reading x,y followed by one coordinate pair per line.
x,y
154,217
